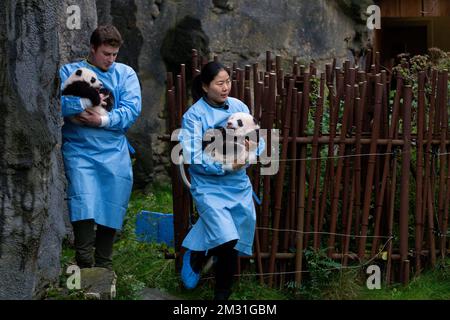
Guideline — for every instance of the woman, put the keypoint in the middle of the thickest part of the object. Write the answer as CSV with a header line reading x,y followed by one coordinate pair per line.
x,y
226,223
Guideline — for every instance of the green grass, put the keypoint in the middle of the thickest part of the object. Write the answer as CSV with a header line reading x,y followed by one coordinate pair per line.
x,y
60,291
139,265
248,288
431,285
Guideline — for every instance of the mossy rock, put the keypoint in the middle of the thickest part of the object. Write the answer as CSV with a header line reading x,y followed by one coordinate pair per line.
x,y
98,283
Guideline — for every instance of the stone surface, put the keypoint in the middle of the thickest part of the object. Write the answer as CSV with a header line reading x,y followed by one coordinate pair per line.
x,y
237,31
98,283
35,41
74,46
74,41
31,179
155,294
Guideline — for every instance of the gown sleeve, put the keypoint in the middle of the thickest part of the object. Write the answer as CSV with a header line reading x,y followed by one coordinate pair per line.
x,y
191,140
130,104
70,105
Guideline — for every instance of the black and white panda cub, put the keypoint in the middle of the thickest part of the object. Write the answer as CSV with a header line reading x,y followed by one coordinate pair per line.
x,y
241,127
84,83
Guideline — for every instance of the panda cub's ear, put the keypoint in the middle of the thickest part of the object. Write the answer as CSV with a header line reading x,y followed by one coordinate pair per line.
x,y
79,72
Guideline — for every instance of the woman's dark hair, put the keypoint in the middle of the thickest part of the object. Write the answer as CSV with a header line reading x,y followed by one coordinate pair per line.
x,y
107,34
208,73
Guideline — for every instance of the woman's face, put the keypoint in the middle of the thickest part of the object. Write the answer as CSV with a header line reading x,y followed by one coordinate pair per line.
x,y
219,88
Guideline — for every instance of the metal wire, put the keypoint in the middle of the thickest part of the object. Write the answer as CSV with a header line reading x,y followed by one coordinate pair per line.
x,y
321,232
352,156
306,271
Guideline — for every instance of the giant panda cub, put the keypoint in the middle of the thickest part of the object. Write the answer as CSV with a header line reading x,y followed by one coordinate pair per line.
x,y
84,83
241,128
227,144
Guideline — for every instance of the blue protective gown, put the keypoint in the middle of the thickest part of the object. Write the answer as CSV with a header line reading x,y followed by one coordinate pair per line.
x,y
97,160
223,199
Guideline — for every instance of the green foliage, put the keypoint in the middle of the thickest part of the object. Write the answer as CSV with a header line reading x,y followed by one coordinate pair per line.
x,y
409,67
248,288
321,271
344,285
326,279
314,92
138,264
60,291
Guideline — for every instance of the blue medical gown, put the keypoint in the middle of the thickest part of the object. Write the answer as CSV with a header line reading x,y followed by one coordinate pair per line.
x,y
223,199
97,160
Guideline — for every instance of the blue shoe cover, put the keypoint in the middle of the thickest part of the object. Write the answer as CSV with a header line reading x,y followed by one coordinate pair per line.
x,y
188,276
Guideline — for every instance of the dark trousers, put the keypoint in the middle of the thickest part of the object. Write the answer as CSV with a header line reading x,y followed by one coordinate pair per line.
x,y
225,267
93,244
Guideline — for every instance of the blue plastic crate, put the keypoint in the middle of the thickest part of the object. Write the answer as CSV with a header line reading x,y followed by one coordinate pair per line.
x,y
155,227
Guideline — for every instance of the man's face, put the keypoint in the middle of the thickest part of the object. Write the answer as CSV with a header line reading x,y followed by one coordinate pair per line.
x,y
104,56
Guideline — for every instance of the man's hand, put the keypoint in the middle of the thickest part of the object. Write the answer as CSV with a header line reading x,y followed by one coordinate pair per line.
x,y
89,118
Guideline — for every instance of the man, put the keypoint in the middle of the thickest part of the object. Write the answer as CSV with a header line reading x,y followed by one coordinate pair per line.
x,y
96,155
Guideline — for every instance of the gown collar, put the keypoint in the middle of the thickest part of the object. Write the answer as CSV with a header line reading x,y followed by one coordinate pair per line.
x,y
86,61
224,106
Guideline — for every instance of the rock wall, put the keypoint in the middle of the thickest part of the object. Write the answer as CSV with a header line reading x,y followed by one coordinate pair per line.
x,y
74,35
35,40
31,184
159,35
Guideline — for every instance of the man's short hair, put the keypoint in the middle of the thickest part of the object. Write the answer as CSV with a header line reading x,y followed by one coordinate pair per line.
x,y
107,34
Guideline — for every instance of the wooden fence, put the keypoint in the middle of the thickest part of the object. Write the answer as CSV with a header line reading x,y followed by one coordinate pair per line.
x,y
363,169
